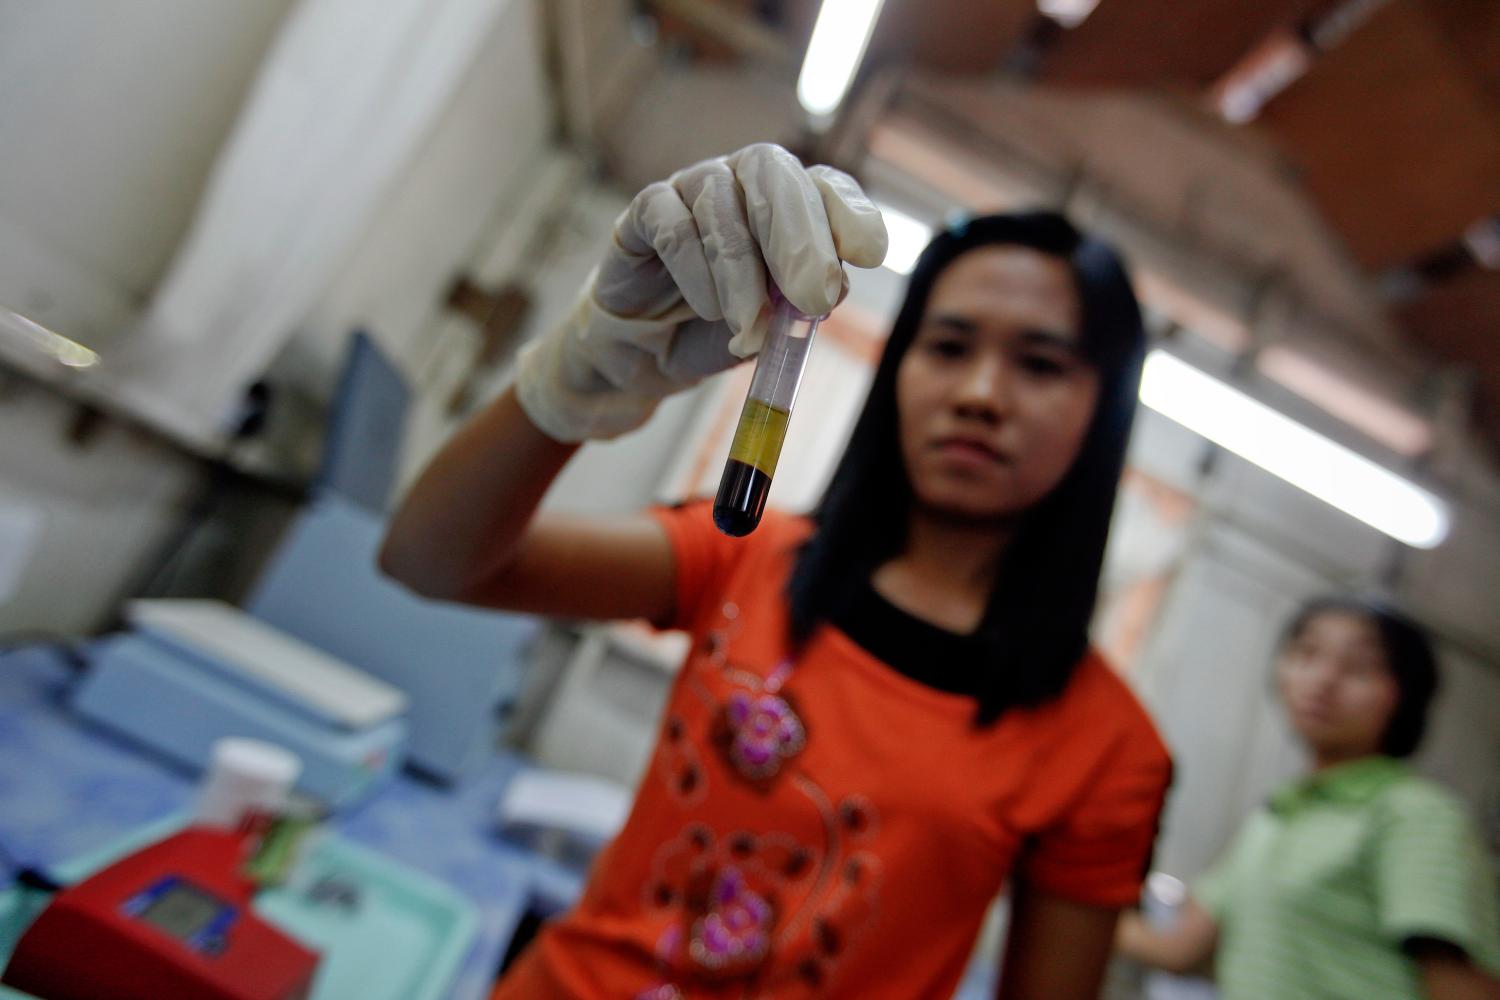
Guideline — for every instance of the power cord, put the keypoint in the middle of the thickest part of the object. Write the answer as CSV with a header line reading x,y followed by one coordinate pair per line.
x,y
28,876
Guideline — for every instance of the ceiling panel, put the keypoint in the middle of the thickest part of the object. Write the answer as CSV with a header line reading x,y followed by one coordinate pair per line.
x,y
1460,320
957,36
1471,29
1392,137
1165,42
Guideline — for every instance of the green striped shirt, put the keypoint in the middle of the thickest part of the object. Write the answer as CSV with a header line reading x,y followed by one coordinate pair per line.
x,y
1320,889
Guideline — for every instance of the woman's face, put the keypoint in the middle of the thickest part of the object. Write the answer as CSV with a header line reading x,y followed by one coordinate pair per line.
x,y
995,394
1337,686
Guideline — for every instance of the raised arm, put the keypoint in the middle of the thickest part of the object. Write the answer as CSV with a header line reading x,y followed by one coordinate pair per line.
x,y
468,531
681,293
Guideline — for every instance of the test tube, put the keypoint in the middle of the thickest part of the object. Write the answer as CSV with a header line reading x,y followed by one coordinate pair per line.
x,y
762,427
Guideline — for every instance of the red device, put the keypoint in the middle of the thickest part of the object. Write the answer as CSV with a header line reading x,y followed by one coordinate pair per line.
x,y
171,920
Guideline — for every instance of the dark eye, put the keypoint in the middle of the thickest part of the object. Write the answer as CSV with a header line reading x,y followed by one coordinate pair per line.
x,y
1038,364
1301,649
947,347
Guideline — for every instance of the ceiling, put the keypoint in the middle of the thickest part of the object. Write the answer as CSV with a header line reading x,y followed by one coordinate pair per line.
x,y
1390,120
1394,131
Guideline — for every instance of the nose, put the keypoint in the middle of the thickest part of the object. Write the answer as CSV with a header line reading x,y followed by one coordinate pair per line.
x,y
984,390
1320,675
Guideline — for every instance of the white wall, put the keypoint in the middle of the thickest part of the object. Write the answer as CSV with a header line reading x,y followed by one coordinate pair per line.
x,y
463,185
1462,748
1206,677
490,196
104,506
111,117
1458,582
577,215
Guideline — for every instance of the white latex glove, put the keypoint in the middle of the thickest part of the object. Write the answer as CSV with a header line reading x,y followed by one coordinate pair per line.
x,y
681,292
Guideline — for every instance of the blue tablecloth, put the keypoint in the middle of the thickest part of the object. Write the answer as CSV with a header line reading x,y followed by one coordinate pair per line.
x,y
67,789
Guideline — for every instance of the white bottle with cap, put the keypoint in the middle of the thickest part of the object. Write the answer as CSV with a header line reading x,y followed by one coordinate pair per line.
x,y
245,776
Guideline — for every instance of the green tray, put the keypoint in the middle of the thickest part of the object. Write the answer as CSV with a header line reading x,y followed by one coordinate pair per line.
x,y
404,940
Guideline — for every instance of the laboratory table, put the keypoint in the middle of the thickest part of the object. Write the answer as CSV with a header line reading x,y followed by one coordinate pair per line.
x,y
67,788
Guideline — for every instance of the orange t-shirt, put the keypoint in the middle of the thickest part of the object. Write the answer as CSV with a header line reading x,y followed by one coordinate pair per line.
x,y
828,826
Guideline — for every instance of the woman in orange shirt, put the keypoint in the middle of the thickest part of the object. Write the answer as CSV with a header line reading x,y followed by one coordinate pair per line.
x,y
890,710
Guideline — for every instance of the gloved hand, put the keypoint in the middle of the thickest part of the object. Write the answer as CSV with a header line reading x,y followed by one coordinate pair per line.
x,y
681,292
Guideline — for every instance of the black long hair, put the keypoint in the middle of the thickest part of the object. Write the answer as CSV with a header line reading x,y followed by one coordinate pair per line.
x,y
1035,627
1408,656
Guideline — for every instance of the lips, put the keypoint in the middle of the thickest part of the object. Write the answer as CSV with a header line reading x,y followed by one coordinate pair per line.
x,y
969,448
1312,712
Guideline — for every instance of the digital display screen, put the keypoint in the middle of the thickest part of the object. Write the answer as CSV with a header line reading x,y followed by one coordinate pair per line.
x,y
182,911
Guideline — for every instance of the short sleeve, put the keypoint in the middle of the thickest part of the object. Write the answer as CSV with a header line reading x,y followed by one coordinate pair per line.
x,y
702,559
1099,852
1432,877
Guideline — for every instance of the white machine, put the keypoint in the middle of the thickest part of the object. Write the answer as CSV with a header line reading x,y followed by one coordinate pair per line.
x,y
194,671
565,816
330,655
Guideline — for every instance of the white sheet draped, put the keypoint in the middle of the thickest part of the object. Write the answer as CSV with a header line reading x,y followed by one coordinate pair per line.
x,y
346,96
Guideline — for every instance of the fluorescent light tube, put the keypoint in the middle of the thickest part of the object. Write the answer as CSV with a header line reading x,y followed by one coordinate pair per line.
x,y
1301,456
833,55
1376,416
34,336
908,238
1068,13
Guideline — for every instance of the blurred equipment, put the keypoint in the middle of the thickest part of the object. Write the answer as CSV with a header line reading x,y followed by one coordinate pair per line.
x,y
458,666
322,601
171,920
245,777
362,444
193,672
173,913
565,816
604,715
